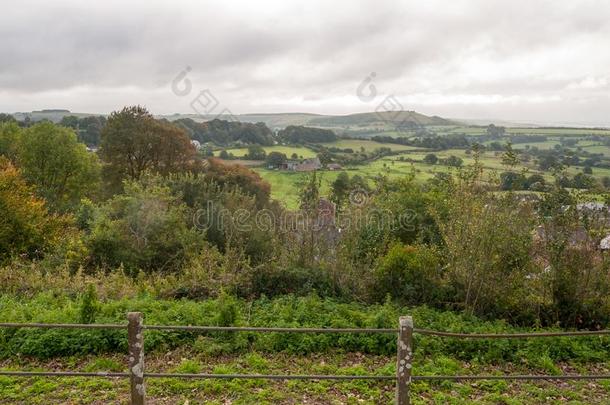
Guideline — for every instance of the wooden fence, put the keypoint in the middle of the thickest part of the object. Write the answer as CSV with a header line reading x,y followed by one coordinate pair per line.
x,y
404,359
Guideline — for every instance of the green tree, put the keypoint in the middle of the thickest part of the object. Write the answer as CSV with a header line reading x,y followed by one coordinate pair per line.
x,y
60,167
275,159
133,142
512,181
7,118
256,152
309,200
487,243
325,156
309,193
69,121
583,181
495,131
145,228
340,189
297,134
510,157
454,161
10,134
430,159
549,162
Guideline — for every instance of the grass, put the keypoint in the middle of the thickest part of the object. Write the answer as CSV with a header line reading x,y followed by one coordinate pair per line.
x,y
287,311
285,185
287,150
243,353
369,146
187,360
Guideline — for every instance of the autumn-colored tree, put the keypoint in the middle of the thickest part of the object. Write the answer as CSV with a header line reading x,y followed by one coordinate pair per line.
x,y
26,228
247,180
133,142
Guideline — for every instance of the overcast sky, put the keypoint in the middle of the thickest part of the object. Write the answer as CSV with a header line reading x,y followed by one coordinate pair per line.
x,y
532,60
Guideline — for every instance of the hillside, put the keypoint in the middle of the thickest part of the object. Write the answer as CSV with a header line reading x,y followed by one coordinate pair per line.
x,y
280,120
379,118
369,119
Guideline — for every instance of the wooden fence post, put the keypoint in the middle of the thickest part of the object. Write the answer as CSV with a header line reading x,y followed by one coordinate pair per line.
x,y
404,360
135,338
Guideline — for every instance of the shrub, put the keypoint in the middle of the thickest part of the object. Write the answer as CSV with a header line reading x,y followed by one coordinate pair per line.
x,y
410,274
145,228
89,305
488,246
275,280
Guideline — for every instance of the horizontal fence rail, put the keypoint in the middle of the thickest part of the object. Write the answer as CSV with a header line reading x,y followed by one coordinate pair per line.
x,y
302,376
63,325
309,330
270,329
403,378
511,335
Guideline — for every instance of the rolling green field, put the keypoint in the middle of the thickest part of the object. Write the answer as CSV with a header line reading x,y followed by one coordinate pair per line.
x,y
481,130
359,144
285,184
301,151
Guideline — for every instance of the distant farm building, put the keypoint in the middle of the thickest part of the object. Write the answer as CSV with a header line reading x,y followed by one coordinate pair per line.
x,y
334,166
307,165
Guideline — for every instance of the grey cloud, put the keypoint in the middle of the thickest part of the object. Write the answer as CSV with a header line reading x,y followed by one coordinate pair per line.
x,y
255,56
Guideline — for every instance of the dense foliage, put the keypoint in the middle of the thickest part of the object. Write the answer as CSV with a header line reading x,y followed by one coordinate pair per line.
x,y
160,214
288,311
299,134
221,132
133,143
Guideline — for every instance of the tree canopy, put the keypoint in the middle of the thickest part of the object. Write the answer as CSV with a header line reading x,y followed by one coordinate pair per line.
x,y
61,168
133,142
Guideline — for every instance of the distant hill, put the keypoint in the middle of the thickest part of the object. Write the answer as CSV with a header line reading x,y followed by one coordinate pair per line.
x,y
280,120
370,119
54,115
379,118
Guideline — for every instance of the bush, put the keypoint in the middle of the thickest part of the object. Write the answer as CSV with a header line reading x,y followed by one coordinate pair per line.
x,y
146,228
89,306
274,281
409,274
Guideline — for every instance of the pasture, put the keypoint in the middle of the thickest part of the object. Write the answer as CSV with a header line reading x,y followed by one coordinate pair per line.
x,y
301,151
409,160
